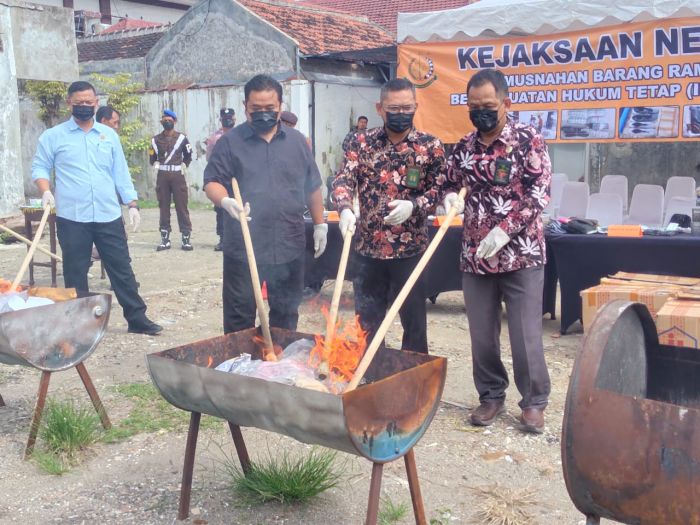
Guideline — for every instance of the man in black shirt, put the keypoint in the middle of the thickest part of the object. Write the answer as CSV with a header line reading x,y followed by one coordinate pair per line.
x,y
277,176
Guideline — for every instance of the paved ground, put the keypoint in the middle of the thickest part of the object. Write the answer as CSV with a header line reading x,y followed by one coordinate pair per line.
x,y
137,481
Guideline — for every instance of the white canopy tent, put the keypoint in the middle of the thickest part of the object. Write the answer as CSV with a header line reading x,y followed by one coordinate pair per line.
x,y
490,18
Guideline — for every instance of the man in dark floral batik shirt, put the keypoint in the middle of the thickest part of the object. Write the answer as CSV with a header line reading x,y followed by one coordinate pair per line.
x,y
396,172
506,168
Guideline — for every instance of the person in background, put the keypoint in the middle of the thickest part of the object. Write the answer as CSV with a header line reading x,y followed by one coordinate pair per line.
x,y
89,165
277,176
506,168
227,117
108,116
395,170
361,126
290,119
170,153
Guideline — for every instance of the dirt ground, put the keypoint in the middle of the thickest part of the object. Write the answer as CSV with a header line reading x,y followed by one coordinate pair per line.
x,y
137,480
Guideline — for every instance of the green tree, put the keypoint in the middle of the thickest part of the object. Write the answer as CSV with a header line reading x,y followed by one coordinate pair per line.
x,y
50,97
123,95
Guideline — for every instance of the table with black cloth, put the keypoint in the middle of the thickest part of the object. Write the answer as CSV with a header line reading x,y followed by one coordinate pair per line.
x,y
441,275
580,261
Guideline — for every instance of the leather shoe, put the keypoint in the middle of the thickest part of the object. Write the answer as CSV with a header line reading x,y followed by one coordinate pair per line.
x,y
532,420
146,327
487,412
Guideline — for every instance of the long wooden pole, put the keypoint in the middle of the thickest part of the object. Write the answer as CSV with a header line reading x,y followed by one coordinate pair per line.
x,y
400,298
338,288
32,248
255,278
29,243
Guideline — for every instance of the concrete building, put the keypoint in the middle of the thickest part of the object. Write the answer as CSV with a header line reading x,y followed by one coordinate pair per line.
x,y
36,43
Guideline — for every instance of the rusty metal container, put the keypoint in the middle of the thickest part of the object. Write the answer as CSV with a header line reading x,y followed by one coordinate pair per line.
x,y
631,432
56,336
380,421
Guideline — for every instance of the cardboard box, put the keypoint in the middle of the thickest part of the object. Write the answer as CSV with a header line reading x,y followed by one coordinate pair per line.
x,y
624,230
654,297
651,278
678,323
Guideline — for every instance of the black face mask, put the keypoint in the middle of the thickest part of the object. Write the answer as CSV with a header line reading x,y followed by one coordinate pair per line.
x,y
227,122
263,121
484,120
168,125
399,122
83,113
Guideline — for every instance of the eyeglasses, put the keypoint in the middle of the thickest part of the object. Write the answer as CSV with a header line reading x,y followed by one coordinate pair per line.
x,y
401,109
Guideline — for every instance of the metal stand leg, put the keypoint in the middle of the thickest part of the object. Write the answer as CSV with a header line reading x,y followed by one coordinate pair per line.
x,y
592,520
38,411
2,402
414,487
186,487
241,449
375,489
97,403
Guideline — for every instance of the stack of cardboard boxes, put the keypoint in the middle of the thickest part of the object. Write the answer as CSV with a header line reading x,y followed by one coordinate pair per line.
x,y
674,303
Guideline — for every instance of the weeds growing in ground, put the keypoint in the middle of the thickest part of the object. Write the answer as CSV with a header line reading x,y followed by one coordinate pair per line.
x,y
283,477
66,430
391,512
500,505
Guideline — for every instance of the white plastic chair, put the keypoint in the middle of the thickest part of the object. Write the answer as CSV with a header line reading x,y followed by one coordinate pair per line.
x,y
683,187
574,200
647,205
555,189
618,185
678,205
606,208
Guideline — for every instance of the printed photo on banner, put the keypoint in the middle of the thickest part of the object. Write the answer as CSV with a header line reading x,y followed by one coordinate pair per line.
x,y
691,121
545,122
588,123
648,122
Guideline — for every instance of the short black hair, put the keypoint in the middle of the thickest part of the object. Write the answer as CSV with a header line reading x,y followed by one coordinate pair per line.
x,y
105,113
396,84
490,76
262,83
362,117
80,85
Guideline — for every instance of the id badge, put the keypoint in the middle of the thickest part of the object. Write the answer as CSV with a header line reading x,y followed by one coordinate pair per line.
x,y
501,176
412,177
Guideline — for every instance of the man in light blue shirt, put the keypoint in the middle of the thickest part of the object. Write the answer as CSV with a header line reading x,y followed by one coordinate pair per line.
x,y
90,171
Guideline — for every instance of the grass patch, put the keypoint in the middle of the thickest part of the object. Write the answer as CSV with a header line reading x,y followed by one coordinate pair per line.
x,y
284,478
391,512
66,430
150,413
444,517
500,505
148,204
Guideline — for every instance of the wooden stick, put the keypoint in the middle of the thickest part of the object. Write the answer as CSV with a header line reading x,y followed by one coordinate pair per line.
x,y
29,243
400,298
338,289
32,248
257,291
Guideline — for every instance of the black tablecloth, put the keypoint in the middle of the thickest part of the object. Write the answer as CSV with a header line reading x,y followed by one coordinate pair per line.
x,y
582,260
441,275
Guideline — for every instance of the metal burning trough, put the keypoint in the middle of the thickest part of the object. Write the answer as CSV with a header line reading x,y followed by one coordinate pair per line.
x,y
53,338
631,432
381,420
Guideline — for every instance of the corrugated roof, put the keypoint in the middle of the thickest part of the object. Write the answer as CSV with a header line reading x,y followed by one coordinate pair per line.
x,y
385,12
125,44
126,24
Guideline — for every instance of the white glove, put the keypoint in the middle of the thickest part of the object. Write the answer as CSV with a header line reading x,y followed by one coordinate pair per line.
x,y
134,219
47,199
234,209
400,211
347,222
156,167
492,243
320,239
452,200
183,167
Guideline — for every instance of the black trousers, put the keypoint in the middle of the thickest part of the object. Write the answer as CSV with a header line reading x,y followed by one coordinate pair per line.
x,y
219,221
376,285
285,283
76,240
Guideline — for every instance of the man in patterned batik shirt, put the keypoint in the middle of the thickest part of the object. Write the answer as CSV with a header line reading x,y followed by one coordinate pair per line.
x,y
506,169
395,170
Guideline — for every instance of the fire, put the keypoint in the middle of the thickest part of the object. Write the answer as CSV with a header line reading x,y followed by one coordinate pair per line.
x,y
340,355
5,286
267,354
210,361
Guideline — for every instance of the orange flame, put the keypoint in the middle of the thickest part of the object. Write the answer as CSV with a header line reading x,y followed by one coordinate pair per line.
x,y
342,353
268,354
210,361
